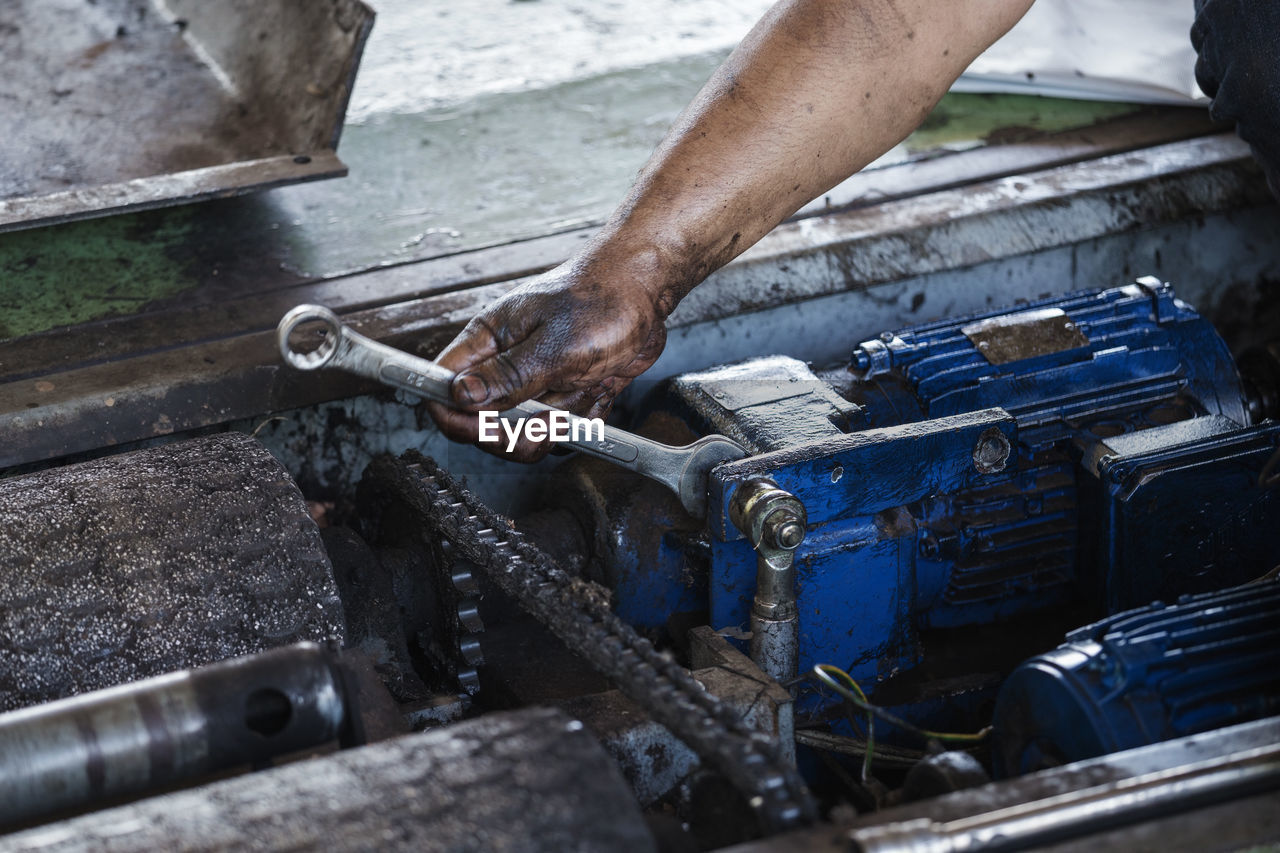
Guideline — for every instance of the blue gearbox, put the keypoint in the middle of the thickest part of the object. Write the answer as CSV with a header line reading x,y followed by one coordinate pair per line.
x,y
1093,449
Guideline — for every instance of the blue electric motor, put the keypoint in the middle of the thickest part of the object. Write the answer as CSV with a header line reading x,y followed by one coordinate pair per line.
x,y
1144,676
1133,426
1089,449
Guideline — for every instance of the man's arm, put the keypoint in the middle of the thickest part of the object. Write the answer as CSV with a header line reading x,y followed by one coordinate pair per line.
x,y
816,91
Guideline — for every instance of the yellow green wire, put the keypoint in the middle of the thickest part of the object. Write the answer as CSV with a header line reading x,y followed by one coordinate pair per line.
x,y
853,693
821,670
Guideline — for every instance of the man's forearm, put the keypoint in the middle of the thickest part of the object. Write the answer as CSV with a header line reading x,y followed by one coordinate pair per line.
x,y
816,91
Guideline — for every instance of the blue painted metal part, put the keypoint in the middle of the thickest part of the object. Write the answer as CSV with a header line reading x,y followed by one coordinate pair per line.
x,y
1180,508
1131,461
647,598
1134,348
1075,371
1144,676
855,572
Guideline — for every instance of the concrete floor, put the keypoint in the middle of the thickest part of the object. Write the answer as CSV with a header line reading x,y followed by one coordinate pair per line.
x,y
496,120
437,54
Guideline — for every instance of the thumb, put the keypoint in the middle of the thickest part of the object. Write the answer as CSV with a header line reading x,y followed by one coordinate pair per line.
x,y
504,379
484,338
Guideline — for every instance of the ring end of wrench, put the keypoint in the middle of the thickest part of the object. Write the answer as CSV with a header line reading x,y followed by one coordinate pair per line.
x,y
321,355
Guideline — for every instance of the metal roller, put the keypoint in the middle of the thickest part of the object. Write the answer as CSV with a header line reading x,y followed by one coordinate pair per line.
x,y
134,738
135,565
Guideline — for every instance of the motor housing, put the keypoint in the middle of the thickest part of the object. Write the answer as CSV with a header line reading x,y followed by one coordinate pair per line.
x,y
1144,676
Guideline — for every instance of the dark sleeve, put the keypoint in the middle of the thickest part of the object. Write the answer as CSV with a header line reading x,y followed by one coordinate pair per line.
x,y
1238,42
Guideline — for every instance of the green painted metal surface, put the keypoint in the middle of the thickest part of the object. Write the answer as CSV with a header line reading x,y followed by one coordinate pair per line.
x,y
967,120
89,270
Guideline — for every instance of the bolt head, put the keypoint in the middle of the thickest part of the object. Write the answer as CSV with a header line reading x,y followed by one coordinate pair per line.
x,y
783,529
790,534
991,453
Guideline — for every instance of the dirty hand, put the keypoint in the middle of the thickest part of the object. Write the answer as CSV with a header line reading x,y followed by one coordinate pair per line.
x,y
1238,42
573,338
816,91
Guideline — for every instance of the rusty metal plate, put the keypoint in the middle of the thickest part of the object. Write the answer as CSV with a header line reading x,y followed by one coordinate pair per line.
x,y
129,104
1027,334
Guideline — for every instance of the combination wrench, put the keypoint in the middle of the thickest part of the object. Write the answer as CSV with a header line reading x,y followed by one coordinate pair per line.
x,y
684,470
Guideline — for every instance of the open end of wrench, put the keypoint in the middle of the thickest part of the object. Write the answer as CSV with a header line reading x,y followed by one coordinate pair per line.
x,y
708,452
330,331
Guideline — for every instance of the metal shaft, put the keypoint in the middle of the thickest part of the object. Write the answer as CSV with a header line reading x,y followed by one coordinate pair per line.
x,y
1085,811
682,469
532,780
138,737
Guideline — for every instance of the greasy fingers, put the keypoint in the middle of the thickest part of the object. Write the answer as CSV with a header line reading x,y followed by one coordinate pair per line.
x,y
505,378
570,338
593,402
481,357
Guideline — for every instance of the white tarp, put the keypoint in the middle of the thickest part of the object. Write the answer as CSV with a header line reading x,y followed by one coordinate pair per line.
x,y
1113,50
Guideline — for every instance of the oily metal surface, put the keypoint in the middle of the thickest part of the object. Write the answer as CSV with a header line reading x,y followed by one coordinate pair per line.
x,y
578,612
530,780
135,565
101,94
1178,828
159,733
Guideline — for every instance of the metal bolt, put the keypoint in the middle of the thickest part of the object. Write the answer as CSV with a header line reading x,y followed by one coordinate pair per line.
x,y
991,452
783,529
789,534
771,518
